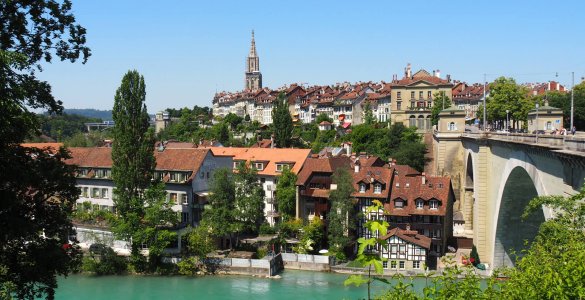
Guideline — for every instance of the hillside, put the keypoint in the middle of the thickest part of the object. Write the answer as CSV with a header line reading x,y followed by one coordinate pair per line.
x,y
105,115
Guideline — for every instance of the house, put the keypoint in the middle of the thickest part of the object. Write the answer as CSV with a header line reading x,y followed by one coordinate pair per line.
x,y
186,173
405,249
269,164
324,125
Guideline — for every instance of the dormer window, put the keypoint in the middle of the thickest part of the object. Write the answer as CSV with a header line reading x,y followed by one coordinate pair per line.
x,y
419,204
362,187
434,204
399,203
259,166
281,167
377,188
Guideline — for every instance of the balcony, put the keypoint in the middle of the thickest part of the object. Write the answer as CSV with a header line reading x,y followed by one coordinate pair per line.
x,y
270,200
273,214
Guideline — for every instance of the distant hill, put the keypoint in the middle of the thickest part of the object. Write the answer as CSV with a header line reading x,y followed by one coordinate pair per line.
x,y
105,115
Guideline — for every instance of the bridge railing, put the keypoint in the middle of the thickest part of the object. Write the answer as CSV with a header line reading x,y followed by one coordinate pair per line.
x,y
569,142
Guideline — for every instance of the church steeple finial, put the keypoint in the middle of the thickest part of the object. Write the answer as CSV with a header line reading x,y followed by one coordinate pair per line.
x,y
253,46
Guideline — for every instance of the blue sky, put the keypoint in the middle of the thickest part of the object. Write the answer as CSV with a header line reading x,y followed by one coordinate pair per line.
x,y
187,50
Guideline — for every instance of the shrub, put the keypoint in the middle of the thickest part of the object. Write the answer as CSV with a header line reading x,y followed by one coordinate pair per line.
x,y
474,256
108,263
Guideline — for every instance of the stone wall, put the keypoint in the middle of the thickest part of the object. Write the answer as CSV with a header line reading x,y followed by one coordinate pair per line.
x,y
306,262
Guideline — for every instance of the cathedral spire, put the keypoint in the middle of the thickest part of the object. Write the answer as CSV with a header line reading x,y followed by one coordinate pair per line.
x,y
253,46
253,75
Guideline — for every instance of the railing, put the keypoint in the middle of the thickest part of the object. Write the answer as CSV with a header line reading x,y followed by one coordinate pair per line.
x,y
569,142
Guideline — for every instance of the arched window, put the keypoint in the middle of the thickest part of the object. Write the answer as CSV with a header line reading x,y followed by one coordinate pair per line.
x,y
412,121
452,126
377,188
362,187
548,125
421,122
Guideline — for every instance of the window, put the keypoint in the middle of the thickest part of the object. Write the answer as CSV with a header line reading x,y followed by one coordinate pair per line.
x,y
412,95
377,188
419,204
429,95
362,187
393,264
184,217
259,166
452,126
385,264
399,203
184,199
262,179
420,94
95,193
85,192
416,264
398,95
173,198
434,204
281,167
401,264
173,177
399,105
104,193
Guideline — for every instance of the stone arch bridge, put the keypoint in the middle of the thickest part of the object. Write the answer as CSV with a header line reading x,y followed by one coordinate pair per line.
x,y
496,175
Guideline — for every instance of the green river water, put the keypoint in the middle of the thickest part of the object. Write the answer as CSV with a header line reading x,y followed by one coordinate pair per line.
x,y
292,285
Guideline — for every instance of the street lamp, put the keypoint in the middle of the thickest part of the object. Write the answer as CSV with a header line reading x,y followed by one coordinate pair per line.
x,y
507,120
537,123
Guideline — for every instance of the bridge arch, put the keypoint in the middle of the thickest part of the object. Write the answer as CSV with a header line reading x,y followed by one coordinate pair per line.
x,y
519,184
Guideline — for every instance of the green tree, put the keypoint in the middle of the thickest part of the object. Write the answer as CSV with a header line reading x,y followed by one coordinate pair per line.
x,y
562,100
221,133
132,159
323,117
38,189
249,212
282,121
286,194
233,120
341,215
368,114
504,95
220,213
440,102
199,241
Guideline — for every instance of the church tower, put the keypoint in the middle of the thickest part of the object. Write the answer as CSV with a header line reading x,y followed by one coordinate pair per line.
x,y
253,75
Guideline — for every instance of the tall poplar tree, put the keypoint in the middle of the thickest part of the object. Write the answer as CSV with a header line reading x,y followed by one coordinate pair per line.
x,y
132,156
341,219
283,126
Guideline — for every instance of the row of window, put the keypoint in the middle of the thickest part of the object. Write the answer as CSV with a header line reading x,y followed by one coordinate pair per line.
x,y
377,188
412,94
259,166
433,204
97,193
178,198
400,264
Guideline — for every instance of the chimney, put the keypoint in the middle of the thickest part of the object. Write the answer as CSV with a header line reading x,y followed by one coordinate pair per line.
x,y
448,78
437,73
407,71
356,167
272,141
408,227
424,178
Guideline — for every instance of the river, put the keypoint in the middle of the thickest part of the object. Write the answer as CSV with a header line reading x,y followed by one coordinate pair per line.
x,y
292,285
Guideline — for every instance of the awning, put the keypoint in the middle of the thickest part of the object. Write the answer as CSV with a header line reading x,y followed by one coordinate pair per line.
x,y
346,125
202,194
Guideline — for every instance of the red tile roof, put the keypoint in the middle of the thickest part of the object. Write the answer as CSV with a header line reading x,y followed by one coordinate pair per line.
x,y
409,236
369,176
270,155
321,165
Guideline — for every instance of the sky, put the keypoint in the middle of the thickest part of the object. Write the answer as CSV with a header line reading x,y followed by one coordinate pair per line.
x,y
188,50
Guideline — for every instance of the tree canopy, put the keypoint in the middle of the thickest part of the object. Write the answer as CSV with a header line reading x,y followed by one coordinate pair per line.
x,y
341,215
286,194
38,190
440,102
505,94
282,121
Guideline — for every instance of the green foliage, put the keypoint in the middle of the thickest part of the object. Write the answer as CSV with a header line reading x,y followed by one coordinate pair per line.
x,y
233,120
310,237
38,189
286,194
108,263
368,115
222,203
475,256
199,241
221,133
64,126
323,117
398,142
249,212
440,102
189,266
562,100
282,121
340,226
504,95
324,138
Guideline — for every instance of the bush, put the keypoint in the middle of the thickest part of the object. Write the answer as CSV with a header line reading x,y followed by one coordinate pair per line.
x,y
261,252
108,263
189,266
265,228
474,256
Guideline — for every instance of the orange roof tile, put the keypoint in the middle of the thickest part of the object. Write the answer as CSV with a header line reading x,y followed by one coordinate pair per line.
x,y
270,155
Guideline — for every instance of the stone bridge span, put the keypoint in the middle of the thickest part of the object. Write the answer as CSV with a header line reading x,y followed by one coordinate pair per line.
x,y
496,175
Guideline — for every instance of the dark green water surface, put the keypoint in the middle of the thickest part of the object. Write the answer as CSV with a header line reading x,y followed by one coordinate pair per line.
x,y
292,285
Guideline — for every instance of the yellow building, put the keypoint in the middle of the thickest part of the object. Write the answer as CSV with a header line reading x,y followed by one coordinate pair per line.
x,y
412,97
